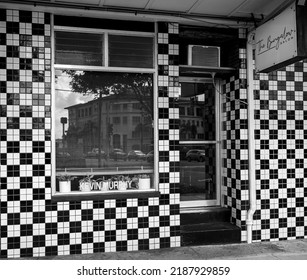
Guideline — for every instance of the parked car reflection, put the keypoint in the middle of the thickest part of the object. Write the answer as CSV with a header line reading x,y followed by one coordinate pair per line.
x,y
117,154
62,155
95,153
136,155
198,155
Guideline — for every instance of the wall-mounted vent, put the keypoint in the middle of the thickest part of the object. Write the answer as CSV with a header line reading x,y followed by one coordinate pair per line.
x,y
204,56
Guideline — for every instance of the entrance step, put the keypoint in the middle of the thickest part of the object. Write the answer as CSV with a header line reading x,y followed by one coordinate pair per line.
x,y
208,214
212,226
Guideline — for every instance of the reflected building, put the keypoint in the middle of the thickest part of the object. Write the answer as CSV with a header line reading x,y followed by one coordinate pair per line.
x,y
191,112
197,114
125,124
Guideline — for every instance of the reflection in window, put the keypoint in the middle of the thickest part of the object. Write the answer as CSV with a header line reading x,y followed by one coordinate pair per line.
x,y
116,120
115,107
197,112
198,172
90,136
197,161
136,119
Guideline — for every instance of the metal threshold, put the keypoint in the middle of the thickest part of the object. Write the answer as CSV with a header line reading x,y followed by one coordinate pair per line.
x,y
202,209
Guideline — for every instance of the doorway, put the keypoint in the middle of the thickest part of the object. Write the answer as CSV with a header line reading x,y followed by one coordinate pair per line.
x,y
199,111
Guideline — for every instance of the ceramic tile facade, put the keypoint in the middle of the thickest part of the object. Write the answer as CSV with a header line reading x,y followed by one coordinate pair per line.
x,y
33,225
25,127
168,129
235,142
280,133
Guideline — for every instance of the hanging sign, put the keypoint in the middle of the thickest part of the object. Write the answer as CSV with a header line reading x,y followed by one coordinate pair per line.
x,y
282,40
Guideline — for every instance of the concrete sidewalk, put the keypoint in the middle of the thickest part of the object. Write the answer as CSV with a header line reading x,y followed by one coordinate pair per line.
x,y
280,250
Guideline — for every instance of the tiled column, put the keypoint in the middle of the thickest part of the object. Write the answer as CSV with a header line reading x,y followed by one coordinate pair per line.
x,y
25,131
235,141
168,126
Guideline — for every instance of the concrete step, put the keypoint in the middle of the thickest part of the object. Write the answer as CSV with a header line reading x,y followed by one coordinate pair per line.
x,y
210,233
211,226
209,214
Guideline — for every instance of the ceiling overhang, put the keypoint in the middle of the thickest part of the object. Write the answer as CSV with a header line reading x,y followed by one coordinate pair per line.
x,y
231,13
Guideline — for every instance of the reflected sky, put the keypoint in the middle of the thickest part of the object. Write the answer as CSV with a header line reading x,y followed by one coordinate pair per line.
x,y
64,97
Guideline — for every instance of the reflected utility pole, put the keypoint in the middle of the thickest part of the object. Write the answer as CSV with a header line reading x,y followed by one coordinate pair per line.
x,y
63,122
99,136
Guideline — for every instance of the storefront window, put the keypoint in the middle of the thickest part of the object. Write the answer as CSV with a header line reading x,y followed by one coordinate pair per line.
x,y
100,145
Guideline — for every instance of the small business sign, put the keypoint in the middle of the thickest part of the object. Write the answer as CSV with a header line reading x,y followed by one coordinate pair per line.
x,y
282,40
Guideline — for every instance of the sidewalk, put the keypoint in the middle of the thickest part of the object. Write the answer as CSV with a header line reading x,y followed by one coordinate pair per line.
x,y
280,250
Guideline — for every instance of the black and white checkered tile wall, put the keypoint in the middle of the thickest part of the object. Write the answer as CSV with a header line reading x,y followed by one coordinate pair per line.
x,y
280,135
235,142
31,224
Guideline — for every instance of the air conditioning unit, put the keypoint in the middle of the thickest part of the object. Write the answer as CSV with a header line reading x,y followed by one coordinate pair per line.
x,y
203,56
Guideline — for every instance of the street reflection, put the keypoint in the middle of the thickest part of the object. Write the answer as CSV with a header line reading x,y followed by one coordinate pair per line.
x,y
103,121
197,172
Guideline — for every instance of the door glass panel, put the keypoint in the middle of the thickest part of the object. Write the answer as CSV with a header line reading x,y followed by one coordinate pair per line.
x,y
198,145
197,112
197,172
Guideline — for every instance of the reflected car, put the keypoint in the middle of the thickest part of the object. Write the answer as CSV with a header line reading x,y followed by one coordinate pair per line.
x,y
62,155
150,156
136,155
198,155
95,153
117,154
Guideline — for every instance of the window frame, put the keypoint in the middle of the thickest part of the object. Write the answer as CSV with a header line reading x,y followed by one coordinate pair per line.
x,y
105,49
98,195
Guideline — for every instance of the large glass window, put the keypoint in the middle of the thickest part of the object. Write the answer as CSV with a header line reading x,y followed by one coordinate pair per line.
x,y
93,145
103,120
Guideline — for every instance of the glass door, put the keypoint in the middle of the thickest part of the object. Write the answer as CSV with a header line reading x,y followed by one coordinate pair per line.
x,y
199,112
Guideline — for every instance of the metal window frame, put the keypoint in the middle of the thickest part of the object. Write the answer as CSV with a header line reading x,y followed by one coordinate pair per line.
x,y
152,71
106,33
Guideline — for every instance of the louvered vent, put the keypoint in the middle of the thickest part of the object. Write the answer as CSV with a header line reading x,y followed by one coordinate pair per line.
x,y
74,48
130,51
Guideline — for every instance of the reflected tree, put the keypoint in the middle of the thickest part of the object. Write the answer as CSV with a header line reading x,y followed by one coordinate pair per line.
x,y
103,84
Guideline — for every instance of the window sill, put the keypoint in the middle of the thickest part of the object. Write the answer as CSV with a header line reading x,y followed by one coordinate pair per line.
x,y
100,196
